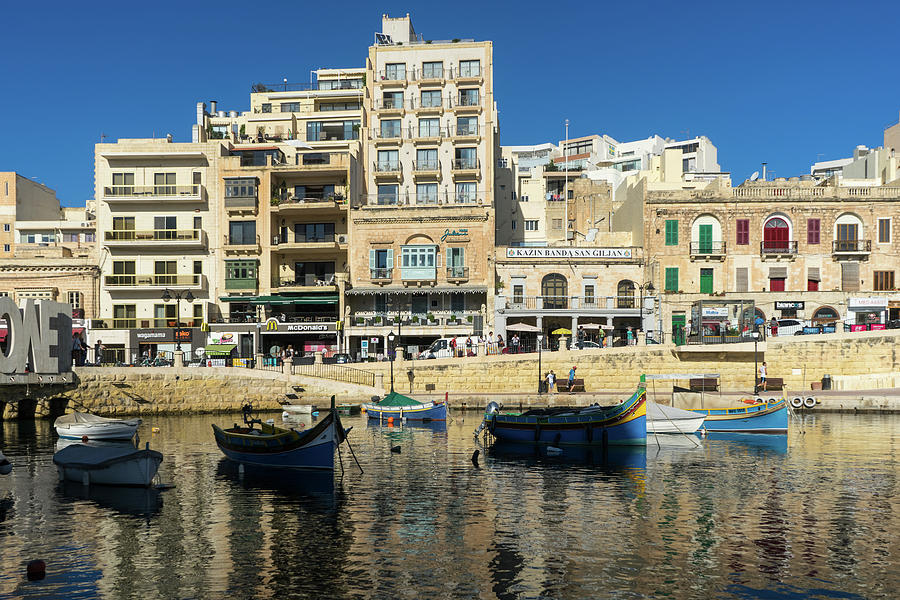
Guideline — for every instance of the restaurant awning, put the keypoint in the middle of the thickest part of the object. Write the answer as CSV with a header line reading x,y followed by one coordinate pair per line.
x,y
456,289
284,300
219,349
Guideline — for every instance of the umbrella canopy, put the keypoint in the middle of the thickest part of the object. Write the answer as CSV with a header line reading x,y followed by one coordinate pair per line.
x,y
522,327
561,331
591,326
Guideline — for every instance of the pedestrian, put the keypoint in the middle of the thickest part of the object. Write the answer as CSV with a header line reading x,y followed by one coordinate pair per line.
x,y
773,326
453,347
758,323
98,352
572,379
76,350
602,335
499,343
469,347
762,375
580,335
551,382
629,335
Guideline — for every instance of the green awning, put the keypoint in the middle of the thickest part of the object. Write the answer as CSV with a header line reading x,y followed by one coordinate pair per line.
x,y
214,349
284,300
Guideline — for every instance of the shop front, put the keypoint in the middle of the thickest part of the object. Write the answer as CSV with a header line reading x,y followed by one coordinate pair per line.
x,y
304,338
867,314
151,343
790,309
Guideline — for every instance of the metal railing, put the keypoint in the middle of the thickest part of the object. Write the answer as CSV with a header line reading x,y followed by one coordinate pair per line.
x,y
380,273
309,199
408,319
466,164
467,130
344,84
308,281
271,363
780,247
388,104
426,165
431,74
388,75
335,373
441,198
302,238
151,280
386,167
851,246
240,243
466,72
389,133
711,248
464,100
457,272
426,132
131,235
431,103
131,191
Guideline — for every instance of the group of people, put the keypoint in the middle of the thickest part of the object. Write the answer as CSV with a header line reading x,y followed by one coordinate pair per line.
x,y
80,351
550,379
493,345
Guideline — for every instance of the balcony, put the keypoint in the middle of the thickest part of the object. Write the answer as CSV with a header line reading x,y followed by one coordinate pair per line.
x,y
391,78
303,242
466,104
387,171
426,135
464,167
438,319
623,305
427,169
464,133
457,274
154,281
314,202
157,238
431,105
779,249
387,136
307,282
154,193
467,75
429,77
380,275
317,163
240,246
842,248
386,107
240,203
413,275
707,251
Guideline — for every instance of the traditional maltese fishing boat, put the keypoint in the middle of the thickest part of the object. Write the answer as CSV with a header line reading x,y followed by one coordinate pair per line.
x,y
767,417
399,406
621,424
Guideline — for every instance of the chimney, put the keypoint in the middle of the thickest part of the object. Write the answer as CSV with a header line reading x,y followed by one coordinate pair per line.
x,y
212,107
764,172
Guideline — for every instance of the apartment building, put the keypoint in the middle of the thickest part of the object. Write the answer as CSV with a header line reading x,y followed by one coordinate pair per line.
x,y
423,231
23,199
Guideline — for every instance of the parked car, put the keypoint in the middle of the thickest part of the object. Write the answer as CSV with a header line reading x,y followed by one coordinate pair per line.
x,y
342,359
789,327
590,344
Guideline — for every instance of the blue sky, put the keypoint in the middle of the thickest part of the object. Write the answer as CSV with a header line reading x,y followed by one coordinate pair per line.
x,y
783,82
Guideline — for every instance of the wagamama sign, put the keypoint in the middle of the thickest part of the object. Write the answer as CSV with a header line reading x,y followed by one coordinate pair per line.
x,y
39,337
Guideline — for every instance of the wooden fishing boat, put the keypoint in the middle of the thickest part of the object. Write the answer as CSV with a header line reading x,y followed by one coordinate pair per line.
x,y
668,419
399,406
271,446
766,417
621,424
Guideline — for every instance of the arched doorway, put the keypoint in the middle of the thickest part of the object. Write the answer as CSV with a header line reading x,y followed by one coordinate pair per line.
x,y
625,294
825,315
776,235
555,290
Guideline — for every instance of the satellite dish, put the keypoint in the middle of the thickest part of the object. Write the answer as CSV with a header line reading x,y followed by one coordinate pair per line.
x,y
755,176
591,234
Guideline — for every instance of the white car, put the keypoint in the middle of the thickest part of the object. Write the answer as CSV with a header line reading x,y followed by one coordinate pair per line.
x,y
789,327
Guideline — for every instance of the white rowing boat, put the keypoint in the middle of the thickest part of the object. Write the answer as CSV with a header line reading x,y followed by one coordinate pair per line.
x,y
668,419
107,465
77,425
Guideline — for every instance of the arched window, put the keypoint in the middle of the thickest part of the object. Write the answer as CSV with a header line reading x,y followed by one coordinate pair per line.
x,y
706,235
848,233
625,294
776,235
825,315
555,291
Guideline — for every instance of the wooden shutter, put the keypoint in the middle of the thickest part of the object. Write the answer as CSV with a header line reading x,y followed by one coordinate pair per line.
x,y
371,259
671,232
813,274
812,231
777,272
743,232
850,277
671,279
390,259
741,280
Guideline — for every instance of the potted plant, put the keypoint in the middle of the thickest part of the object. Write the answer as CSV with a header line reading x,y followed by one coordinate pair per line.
x,y
359,320
415,319
430,318
453,319
378,320
468,318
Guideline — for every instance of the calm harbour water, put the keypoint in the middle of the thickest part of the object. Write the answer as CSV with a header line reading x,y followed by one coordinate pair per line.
x,y
814,514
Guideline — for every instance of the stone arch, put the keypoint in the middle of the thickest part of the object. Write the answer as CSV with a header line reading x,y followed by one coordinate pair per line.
x,y
625,294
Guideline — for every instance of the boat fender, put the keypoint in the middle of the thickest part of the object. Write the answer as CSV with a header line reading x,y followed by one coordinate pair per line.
x,y
771,400
796,402
758,400
395,449
36,570
84,439
475,458
810,402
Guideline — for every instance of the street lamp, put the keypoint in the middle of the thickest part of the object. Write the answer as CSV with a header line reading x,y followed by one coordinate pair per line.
x,y
649,287
540,340
178,296
755,336
391,349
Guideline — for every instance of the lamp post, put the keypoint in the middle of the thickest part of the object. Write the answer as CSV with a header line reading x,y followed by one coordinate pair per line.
x,y
178,296
540,341
649,287
755,336
391,338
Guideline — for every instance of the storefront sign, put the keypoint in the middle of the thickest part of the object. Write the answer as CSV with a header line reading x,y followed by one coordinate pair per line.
x,y
721,312
793,305
222,337
455,235
566,253
41,331
275,326
161,336
154,336
868,303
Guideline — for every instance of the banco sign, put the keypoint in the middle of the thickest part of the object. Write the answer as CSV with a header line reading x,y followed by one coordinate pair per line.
x,y
39,337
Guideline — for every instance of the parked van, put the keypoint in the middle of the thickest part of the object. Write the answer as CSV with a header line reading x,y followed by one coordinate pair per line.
x,y
789,327
441,348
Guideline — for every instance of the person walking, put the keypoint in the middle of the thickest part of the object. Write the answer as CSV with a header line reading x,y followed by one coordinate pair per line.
x,y
572,379
453,347
763,372
551,382
629,335
580,337
98,352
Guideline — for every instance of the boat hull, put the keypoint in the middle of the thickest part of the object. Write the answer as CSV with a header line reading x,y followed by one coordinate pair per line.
x,y
427,411
99,428
283,448
758,418
667,419
138,469
622,425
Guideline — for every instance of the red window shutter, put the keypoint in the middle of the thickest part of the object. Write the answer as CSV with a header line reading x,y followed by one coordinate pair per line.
x,y
776,285
812,231
812,285
743,232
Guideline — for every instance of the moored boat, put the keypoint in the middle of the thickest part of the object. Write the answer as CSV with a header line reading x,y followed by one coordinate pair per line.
x,y
766,417
399,406
77,425
621,424
107,465
668,419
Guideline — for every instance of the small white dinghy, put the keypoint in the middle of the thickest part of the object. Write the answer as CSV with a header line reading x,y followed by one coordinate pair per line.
x,y
107,465
668,419
294,411
77,425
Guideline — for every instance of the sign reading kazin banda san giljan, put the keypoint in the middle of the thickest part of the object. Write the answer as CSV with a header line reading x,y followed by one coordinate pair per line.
x,y
568,253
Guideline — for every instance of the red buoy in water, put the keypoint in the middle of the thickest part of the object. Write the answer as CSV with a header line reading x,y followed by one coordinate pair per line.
x,y
84,439
37,569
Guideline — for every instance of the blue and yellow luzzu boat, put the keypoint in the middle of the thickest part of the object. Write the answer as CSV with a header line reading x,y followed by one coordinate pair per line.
x,y
622,424
399,406
768,417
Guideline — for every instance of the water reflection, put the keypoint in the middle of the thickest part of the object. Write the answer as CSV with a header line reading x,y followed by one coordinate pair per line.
x,y
750,442
124,500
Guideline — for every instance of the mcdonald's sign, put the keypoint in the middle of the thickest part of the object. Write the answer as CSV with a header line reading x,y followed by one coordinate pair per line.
x,y
271,324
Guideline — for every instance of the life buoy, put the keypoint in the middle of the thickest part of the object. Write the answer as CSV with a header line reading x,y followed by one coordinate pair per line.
x,y
771,401
796,402
810,402
758,400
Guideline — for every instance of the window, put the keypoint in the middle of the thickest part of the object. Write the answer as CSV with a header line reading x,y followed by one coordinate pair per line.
x,y
467,126
589,297
89,237
267,107
198,267
390,128
314,273
466,158
671,279
555,290
812,285
240,274
198,222
124,316
466,192
388,194
427,159
431,98
6,248
429,127
523,198
74,298
812,279
395,71
321,131
388,160
426,193
164,184
468,97
164,315
335,106
418,262
432,70
469,68
164,228
6,227
557,223
123,224
850,277
341,84
198,314
812,231
240,188
381,262
242,233
884,280
531,225
165,272
70,237
671,232
625,294
741,279
290,107
514,225
392,100
518,294
122,179
706,281
123,267
884,231
313,232
456,262
742,233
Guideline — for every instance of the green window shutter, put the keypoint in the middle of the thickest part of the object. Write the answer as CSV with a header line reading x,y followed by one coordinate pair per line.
x,y
705,239
390,259
706,281
371,259
671,279
671,232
